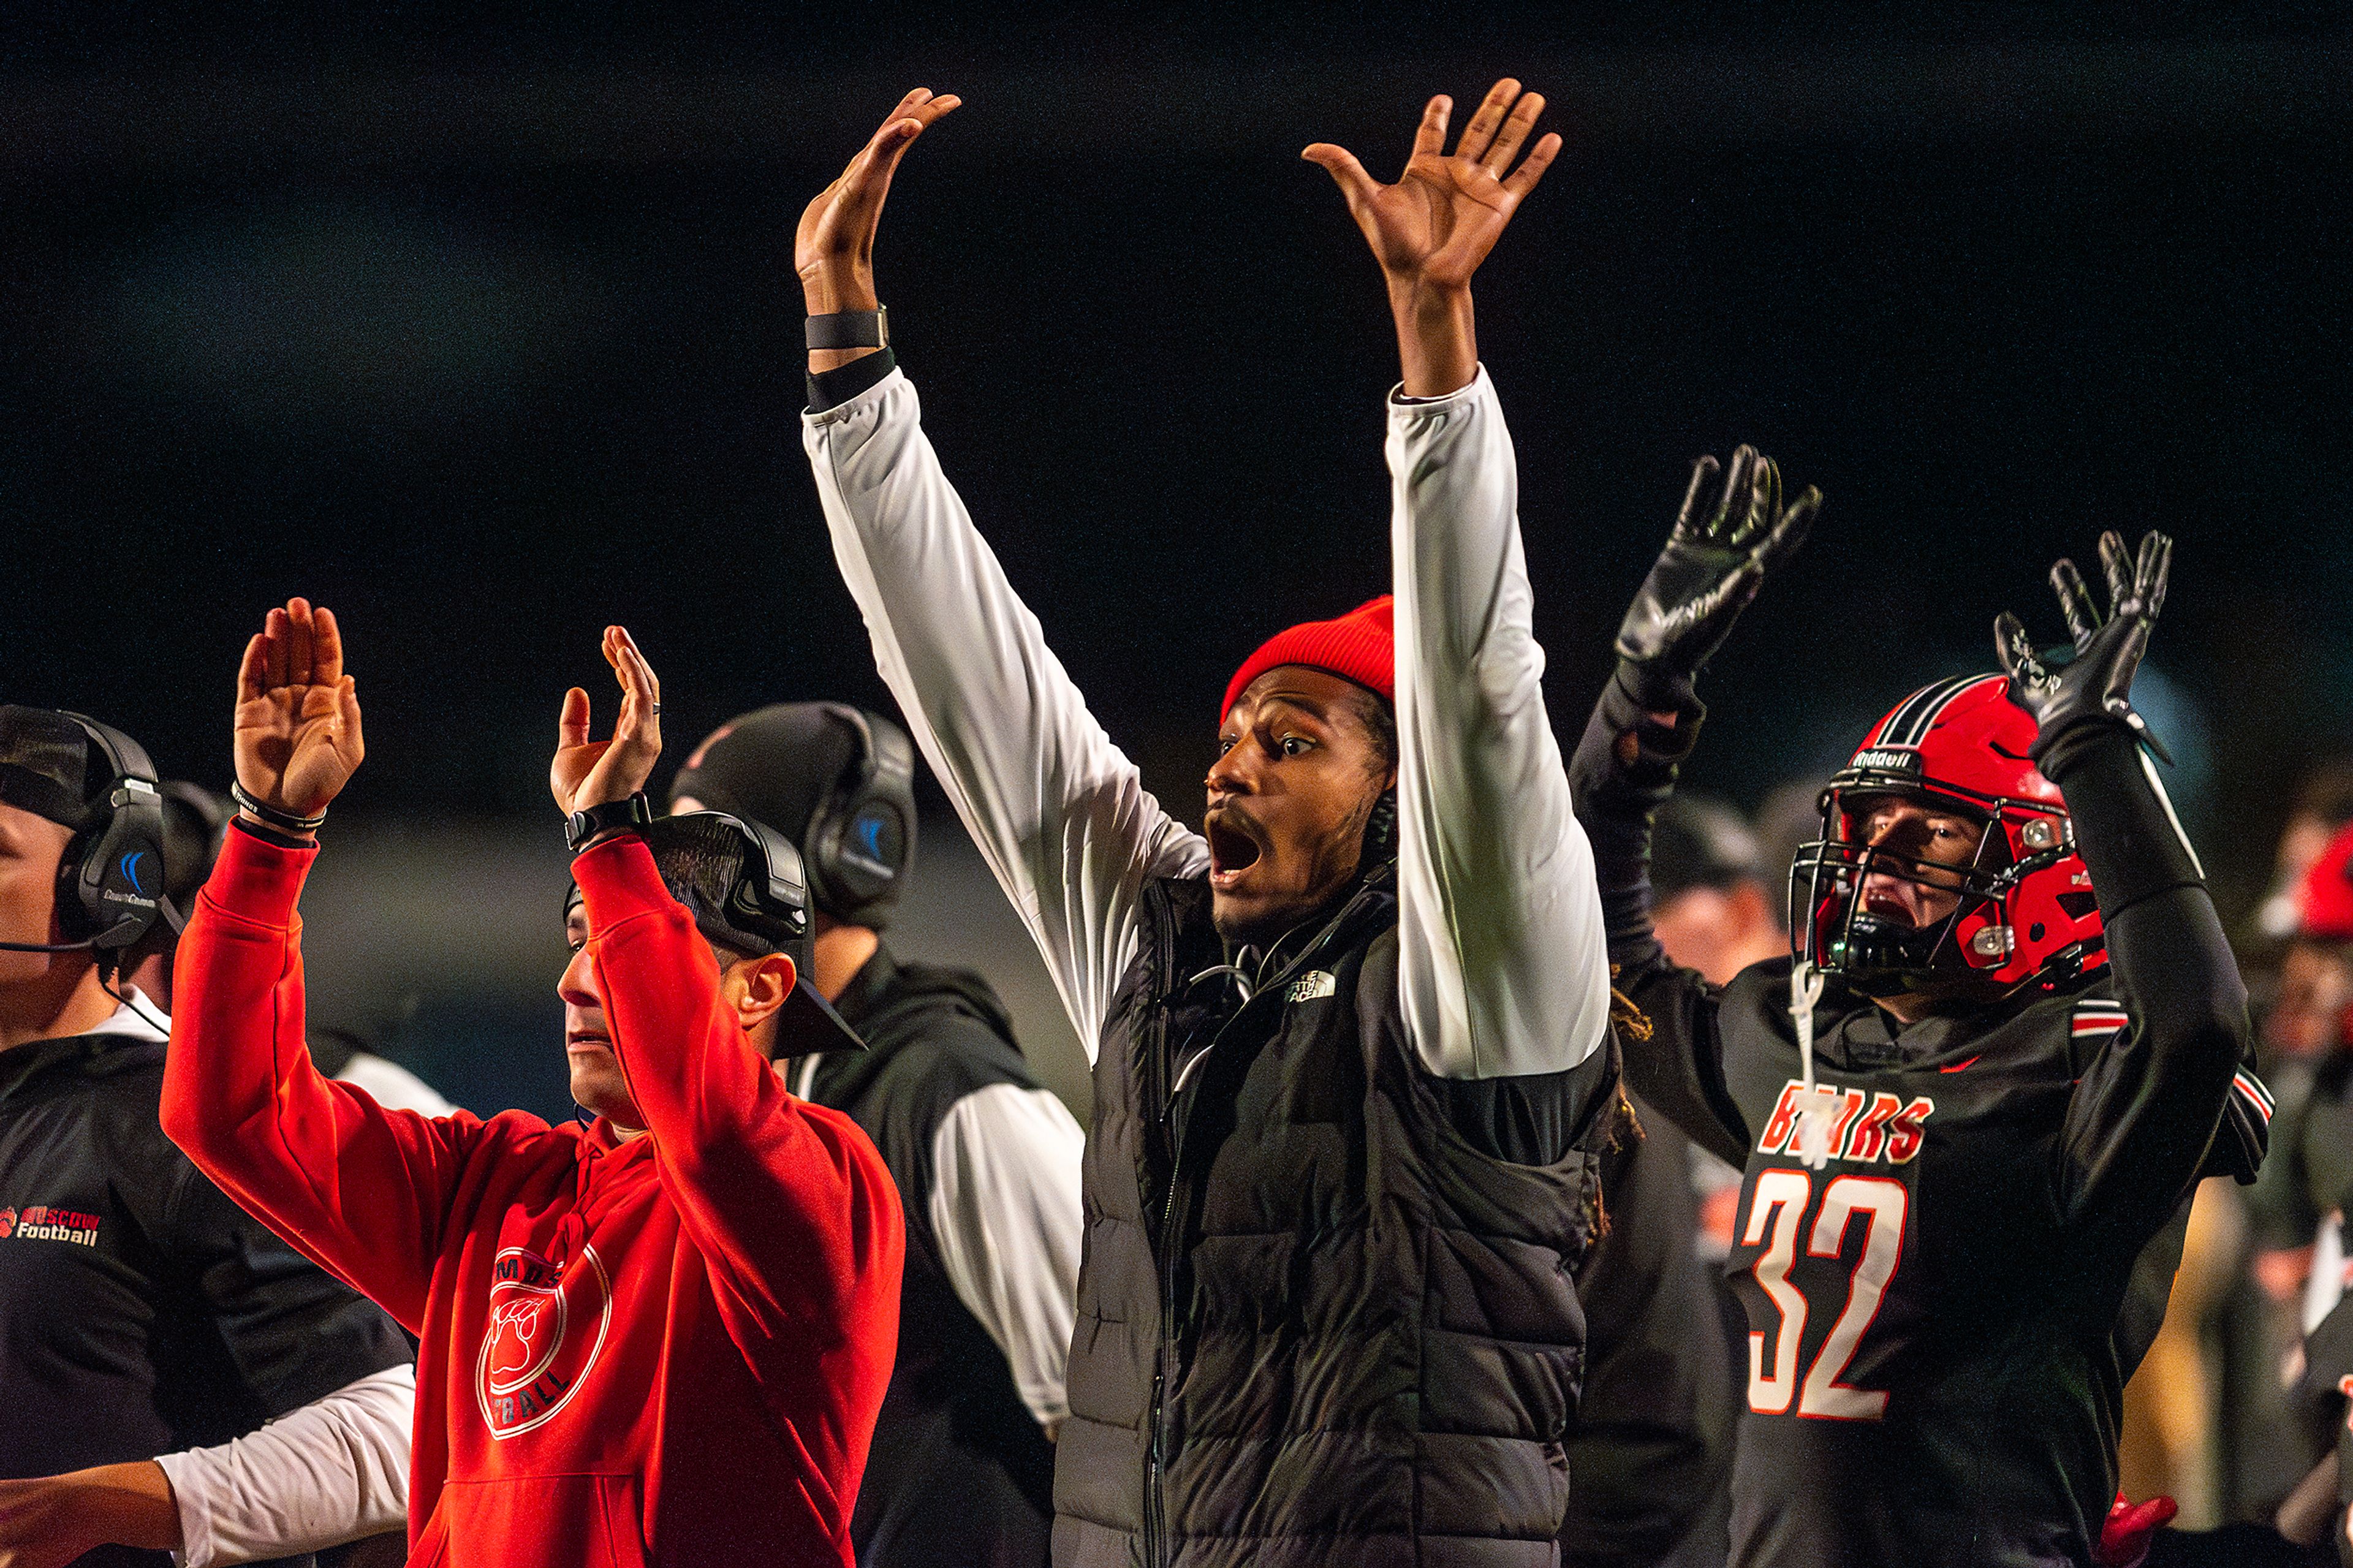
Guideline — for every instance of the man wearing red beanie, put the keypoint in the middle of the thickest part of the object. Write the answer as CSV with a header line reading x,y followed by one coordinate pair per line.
x,y
1350,1073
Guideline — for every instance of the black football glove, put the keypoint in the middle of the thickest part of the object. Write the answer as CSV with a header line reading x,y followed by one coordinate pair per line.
x,y
2095,688
1710,568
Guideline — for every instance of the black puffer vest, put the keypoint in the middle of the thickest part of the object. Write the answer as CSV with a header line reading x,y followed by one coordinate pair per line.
x,y
1316,1324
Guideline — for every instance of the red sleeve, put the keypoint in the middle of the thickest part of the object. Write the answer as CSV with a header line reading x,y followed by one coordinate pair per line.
x,y
359,1189
790,1206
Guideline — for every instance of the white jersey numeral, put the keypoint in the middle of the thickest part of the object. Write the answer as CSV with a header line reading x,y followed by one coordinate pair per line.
x,y
1780,1194
1775,1216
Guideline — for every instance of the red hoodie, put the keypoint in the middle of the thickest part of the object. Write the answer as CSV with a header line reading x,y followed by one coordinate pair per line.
x,y
670,1350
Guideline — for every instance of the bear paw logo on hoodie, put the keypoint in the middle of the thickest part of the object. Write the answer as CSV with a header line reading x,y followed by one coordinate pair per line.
x,y
546,1325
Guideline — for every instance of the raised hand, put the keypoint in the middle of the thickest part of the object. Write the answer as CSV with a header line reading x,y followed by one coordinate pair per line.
x,y
833,250
1431,229
297,714
2095,686
1446,211
1712,565
588,772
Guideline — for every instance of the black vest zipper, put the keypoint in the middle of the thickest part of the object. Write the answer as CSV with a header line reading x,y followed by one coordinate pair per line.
x,y
1155,1521
1155,1524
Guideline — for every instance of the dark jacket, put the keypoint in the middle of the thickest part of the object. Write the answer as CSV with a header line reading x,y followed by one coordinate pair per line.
x,y
141,1313
1652,1446
1322,1319
960,1472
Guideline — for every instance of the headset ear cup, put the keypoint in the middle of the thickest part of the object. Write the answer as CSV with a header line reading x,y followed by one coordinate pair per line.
x,y
120,880
861,839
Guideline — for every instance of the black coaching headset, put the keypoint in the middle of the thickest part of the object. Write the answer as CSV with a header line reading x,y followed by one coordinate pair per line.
x,y
110,879
861,837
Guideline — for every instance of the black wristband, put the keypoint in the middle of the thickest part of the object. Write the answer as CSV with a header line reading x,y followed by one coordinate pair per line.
x,y
271,835
583,826
850,330
284,821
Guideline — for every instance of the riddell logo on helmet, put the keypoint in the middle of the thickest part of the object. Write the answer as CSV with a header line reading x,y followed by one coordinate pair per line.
x,y
40,1222
1888,760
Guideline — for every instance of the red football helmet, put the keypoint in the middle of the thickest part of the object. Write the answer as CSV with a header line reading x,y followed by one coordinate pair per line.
x,y
2026,913
2327,914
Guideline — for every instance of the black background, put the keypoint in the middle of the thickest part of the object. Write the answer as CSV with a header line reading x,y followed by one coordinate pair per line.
x,y
479,325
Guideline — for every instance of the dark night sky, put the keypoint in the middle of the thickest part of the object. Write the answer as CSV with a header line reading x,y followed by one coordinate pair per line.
x,y
479,325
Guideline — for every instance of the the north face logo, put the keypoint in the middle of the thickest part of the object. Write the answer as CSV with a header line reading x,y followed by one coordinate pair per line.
x,y
546,1325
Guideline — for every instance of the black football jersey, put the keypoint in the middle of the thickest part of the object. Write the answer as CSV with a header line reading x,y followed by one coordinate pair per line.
x,y
1942,1317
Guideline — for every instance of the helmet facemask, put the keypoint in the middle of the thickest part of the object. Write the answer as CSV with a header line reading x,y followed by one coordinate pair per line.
x,y
2026,912
1880,954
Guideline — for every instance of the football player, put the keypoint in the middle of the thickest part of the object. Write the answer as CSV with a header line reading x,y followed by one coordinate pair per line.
x,y
1970,1107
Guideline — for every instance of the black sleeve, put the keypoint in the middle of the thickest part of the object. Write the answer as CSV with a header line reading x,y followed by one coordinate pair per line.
x,y
1622,774
2145,1111
290,1333
832,388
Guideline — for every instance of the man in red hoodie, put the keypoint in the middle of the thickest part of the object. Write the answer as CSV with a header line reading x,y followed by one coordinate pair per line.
x,y
661,1338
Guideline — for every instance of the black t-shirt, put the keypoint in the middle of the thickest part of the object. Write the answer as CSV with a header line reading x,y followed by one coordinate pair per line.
x,y
141,1313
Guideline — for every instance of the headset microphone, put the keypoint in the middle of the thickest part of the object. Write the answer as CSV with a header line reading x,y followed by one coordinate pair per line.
x,y
82,946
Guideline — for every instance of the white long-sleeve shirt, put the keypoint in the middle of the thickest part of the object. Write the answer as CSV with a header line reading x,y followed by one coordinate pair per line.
x,y
334,1470
1503,966
1005,1211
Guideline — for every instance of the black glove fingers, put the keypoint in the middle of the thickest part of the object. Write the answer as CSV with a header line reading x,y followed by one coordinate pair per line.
x,y
1790,532
2150,574
1689,521
2075,600
1735,502
2119,567
1764,502
2015,649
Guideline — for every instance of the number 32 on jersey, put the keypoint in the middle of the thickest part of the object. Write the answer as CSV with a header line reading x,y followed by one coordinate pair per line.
x,y
1783,1213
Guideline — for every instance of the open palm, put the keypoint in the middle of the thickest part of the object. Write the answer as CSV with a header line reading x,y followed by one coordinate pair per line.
x,y
298,715
587,773
1444,214
837,229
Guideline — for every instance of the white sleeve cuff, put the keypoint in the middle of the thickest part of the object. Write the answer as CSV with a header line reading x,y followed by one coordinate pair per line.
x,y
334,1470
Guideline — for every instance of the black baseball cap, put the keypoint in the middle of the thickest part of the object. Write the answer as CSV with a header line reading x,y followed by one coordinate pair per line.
x,y
744,885
779,766
1697,842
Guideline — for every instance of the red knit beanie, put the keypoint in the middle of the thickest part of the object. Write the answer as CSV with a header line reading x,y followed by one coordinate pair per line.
x,y
2328,893
1360,646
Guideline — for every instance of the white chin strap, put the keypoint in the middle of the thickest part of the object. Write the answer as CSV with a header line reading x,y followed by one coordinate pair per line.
x,y
1818,1106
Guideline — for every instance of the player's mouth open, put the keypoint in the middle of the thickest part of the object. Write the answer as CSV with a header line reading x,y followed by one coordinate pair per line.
x,y
1233,848
1890,904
